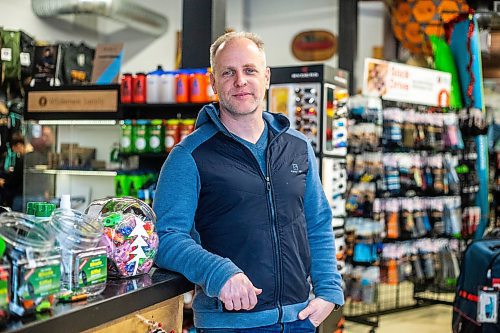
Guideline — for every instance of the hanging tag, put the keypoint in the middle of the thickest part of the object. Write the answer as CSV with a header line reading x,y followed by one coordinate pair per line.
x,y
80,59
487,306
25,59
6,54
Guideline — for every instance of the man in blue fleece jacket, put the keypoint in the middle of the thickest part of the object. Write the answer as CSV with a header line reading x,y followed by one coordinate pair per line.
x,y
241,211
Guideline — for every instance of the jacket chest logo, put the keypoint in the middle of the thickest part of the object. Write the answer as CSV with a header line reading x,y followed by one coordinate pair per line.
x,y
295,168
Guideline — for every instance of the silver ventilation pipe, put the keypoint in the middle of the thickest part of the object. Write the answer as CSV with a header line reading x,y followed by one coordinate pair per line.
x,y
124,11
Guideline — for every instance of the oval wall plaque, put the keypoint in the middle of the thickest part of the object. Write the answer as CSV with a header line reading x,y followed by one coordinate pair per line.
x,y
314,45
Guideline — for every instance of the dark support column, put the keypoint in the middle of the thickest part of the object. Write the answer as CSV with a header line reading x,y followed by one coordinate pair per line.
x,y
348,38
202,22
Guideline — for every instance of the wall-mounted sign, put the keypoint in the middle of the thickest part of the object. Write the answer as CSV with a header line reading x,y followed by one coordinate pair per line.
x,y
397,82
73,101
314,45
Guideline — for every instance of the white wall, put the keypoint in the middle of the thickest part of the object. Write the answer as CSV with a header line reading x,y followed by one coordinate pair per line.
x,y
276,21
142,52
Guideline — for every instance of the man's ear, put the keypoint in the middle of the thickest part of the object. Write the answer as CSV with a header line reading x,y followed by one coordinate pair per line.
x,y
268,77
212,82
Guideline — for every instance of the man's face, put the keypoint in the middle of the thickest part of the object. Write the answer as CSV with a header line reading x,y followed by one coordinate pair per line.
x,y
240,77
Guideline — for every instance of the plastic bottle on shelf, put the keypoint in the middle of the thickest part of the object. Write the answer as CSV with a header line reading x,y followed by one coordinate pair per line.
x,y
182,86
141,139
127,139
139,88
172,135
167,89
156,136
198,86
153,86
126,88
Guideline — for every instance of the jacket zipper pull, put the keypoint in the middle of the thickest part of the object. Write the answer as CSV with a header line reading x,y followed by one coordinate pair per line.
x,y
268,183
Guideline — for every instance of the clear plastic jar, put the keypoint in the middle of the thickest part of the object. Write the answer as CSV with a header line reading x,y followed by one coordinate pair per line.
x,y
84,267
35,264
129,234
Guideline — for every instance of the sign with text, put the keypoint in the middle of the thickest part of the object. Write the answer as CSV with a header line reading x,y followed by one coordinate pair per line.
x,y
403,83
73,101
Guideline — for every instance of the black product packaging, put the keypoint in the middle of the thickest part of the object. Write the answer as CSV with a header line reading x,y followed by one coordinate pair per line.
x,y
77,61
47,65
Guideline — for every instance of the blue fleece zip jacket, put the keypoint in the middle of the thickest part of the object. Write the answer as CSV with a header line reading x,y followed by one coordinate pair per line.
x,y
219,214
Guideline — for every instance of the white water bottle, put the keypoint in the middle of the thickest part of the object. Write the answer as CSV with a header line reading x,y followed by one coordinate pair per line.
x,y
167,87
153,86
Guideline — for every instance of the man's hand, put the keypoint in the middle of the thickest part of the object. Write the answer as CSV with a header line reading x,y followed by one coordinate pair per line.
x,y
239,293
317,310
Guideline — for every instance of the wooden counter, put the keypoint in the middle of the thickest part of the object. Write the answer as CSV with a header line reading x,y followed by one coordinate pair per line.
x,y
155,296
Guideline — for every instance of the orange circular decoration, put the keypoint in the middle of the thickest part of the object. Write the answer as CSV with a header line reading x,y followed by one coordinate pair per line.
x,y
413,20
424,10
398,31
403,13
413,33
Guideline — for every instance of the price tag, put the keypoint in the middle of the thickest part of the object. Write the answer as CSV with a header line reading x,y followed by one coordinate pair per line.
x,y
487,306
6,54
25,59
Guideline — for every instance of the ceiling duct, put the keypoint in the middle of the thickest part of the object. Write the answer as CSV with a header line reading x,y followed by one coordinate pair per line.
x,y
124,11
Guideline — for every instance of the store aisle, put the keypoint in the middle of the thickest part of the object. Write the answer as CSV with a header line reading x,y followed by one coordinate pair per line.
x,y
430,319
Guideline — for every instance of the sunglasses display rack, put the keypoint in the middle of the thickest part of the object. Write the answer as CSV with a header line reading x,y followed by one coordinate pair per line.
x,y
404,229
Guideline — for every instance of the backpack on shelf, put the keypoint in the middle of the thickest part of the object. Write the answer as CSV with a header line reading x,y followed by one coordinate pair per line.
x,y
476,304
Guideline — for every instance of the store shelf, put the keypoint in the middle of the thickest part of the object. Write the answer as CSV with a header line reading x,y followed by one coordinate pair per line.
x,y
98,173
160,111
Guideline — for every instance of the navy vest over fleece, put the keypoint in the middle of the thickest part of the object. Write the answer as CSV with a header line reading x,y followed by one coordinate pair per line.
x,y
230,176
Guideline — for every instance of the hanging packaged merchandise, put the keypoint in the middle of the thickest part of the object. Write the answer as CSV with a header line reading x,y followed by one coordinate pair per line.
x,y
391,179
435,163
452,134
392,135
452,216
36,265
392,219
27,57
436,217
10,54
421,218
47,65
409,130
129,234
449,268
84,265
77,63
450,166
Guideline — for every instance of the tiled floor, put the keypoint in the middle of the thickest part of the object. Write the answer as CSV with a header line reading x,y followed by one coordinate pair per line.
x,y
429,319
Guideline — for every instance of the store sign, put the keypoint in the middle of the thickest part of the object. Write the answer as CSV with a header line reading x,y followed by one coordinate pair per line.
x,y
404,83
73,101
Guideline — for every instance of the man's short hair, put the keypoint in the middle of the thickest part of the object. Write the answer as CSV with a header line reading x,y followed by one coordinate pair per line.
x,y
235,35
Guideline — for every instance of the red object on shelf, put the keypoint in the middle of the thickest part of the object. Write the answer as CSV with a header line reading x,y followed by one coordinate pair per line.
x,y
126,88
139,88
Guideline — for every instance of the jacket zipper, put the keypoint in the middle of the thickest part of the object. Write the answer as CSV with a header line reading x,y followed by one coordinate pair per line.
x,y
276,240
274,221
